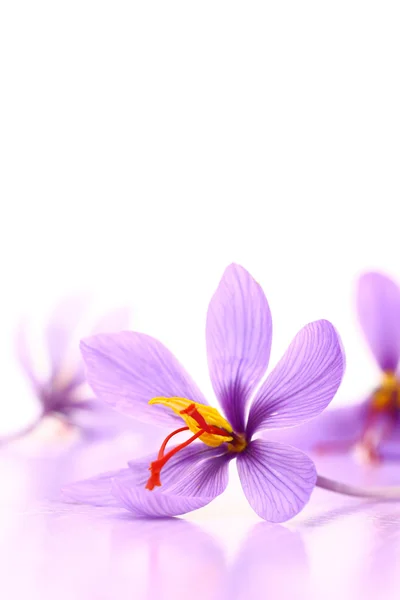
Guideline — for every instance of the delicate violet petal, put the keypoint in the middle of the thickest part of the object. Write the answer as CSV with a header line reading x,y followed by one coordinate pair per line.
x,y
144,504
97,420
389,447
239,332
61,325
182,475
180,465
24,356
128,369
336,430
378,305
185,488
303,382
112,322
276,479
96,491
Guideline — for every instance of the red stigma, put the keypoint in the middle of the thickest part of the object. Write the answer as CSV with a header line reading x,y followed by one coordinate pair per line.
x,y
162,458
193,412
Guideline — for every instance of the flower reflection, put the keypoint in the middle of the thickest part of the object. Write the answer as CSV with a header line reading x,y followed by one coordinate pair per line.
x,y
170,559
272,562
380,567
174,559
98,554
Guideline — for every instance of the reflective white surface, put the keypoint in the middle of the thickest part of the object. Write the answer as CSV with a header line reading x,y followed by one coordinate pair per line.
x,y
337,547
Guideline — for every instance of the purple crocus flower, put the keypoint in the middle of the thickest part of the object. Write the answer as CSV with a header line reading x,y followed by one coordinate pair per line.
x,y
62,394
137,375
370,427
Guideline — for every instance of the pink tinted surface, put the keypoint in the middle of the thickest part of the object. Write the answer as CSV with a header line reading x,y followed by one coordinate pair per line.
x,y
337,548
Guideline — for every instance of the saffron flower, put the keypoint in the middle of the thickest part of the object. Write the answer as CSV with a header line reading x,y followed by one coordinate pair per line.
x,y
136,374
62,393
370,428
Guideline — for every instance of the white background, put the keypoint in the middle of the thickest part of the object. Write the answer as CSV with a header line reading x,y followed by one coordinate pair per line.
x,y
146,145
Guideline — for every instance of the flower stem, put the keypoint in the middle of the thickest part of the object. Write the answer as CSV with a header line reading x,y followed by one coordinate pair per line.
x,y
381,493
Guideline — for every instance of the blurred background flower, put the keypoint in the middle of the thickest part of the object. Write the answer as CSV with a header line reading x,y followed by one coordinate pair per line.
x,y
67,407
73,433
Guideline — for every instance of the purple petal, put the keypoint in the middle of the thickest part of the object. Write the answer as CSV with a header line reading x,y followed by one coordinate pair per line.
x,y
97,420
336,428
303,382
61,325
188,490
182,462
143,503
196,473
111,322
96,491
128,369
337,431
24,356
276,479
378,305
239,333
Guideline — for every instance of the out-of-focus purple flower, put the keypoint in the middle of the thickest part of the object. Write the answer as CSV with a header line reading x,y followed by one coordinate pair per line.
x,y
63,393
372,427
136,374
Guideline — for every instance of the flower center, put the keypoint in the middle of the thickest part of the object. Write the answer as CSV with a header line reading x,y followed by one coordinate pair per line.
x,y
204,422
387,396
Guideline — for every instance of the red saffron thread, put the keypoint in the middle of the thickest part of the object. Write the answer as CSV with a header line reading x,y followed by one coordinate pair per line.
x,y
156,466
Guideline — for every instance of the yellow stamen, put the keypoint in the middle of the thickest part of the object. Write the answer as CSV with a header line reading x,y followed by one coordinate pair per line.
x,y
389,380
210,415
388,394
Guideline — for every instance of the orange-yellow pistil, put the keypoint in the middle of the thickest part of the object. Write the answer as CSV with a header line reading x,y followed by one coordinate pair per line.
x,y
206,424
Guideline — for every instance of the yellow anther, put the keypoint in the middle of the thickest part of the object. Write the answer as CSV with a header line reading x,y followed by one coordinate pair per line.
x,y
390,381
194,417
388,392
